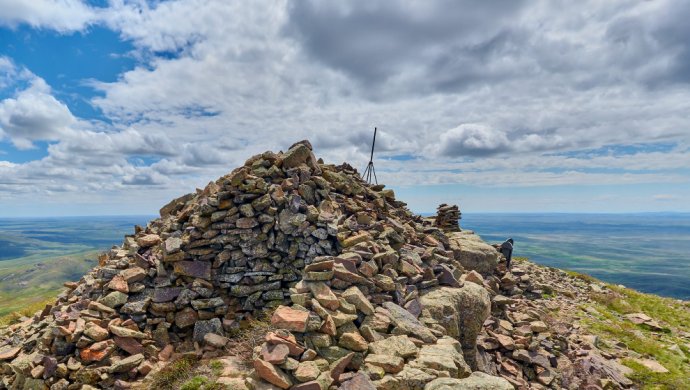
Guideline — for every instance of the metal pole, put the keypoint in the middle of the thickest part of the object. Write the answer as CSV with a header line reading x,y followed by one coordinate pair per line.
x,y
369,170
373,143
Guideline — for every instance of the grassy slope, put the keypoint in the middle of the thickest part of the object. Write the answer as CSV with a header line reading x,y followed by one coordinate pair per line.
x,y
611,326
26,283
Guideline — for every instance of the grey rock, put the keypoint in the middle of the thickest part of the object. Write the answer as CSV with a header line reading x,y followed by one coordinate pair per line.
x,y
461,312
201,328
477,381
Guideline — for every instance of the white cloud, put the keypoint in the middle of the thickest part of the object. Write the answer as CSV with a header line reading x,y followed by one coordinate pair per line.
x,y
487,94
665,197
59,15
472,140
34,114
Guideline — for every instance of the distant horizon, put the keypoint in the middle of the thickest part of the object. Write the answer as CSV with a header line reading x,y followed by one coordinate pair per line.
x,y
422,213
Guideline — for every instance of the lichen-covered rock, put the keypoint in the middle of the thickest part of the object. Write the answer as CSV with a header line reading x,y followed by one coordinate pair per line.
x,y
460,312
477,381
473,253
446,355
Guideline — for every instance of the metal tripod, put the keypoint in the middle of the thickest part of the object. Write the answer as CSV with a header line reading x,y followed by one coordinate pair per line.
x,y
369,170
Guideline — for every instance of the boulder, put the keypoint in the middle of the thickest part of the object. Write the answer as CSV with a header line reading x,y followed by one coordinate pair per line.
x,y
445,355
477,381
473,253
461,312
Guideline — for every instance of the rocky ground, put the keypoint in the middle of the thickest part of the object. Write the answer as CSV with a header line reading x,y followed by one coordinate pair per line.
x,y
289,273
551,328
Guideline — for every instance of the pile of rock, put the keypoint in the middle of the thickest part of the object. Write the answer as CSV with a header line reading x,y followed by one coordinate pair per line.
x,y
354,277
448,218
386,345
522,341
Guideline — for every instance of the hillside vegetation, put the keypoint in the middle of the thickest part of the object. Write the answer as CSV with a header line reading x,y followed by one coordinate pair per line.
x,y
26,283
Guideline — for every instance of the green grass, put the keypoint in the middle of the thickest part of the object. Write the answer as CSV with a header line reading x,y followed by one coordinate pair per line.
x,y
189,373
216,367
176,372
674,317
25,308
30,281
195,383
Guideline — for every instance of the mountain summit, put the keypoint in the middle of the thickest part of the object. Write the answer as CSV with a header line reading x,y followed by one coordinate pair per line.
x,y
353,290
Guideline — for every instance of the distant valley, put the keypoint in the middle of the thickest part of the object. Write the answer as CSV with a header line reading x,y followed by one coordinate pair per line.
x,y
38,255
650,253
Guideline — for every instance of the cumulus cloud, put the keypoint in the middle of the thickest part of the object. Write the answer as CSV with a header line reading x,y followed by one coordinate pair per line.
x,y
59,15
376,41
34,114
474,140
525,93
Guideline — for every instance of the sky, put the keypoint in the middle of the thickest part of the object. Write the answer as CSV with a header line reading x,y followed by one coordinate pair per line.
x,y
117,106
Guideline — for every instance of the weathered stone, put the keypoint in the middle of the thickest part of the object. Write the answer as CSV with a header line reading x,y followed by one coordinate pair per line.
x,y
358,381
473,253
97,351
307,371
118,283
186,317
201,304
272,374
246,223
356,239
324,295
129,344
291,319
275,353
148,240
390,363
172,245
166,294
215,340
354,296
326,265
412,378
506,342
133,275
338,366
127,363
195,269
114,299
9,352
201,328
477,381
126,332
296,156
474,277
288,340
311,385
538,326
445,355
407,323
96,333
652,365
461,312
353,341
399,345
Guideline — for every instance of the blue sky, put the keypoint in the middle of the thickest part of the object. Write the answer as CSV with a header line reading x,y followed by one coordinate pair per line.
x,y
117,106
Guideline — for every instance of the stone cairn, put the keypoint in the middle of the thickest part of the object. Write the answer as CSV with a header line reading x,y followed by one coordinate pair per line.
x,y
354,281
448,218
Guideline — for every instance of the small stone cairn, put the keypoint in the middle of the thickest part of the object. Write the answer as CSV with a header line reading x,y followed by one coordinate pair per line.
x,y
448,218
342,265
